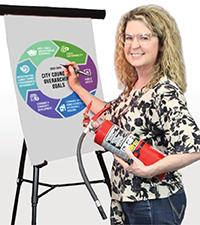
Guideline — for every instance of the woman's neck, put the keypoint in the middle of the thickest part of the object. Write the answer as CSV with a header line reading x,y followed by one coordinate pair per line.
x,y
140,83
143,79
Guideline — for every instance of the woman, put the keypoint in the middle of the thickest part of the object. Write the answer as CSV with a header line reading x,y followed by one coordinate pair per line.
x,y
149,64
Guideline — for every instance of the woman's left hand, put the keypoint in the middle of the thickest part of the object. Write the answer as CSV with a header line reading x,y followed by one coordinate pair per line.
x,y
169,163
136,167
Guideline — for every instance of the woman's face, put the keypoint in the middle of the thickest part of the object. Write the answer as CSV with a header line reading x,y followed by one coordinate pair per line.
x,y
140,54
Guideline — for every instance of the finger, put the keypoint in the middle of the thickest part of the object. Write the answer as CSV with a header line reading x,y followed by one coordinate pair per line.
x,y
116,157
73,64
69,71
72,72
121,161
129,153
66,72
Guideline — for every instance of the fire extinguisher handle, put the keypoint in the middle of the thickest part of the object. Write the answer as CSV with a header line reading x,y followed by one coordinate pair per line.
x,y
96,116
87,109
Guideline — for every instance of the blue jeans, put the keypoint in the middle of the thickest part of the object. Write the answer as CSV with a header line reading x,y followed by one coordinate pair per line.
x,y
159,211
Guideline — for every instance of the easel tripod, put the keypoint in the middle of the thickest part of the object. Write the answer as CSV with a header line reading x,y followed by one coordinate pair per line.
x,y
35,183
48,12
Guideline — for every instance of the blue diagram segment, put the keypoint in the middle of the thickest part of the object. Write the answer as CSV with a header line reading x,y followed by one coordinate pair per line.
x,y
71,105
25,77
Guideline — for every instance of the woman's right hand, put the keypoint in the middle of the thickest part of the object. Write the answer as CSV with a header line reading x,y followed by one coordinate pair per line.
x,y
73,77
85,96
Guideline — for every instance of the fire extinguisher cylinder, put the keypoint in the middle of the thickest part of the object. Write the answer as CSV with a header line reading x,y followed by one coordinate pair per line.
x,y
116,140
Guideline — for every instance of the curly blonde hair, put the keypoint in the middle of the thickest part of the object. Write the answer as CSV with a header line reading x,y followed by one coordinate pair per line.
x,y
169,61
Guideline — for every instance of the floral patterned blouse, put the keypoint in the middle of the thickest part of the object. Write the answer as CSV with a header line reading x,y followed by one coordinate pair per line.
x,y
160,117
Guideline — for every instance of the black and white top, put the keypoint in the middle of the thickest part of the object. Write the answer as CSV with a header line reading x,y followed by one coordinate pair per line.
x,y
160,117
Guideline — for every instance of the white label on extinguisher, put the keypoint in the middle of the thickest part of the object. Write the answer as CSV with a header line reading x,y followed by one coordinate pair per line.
x,y
131,143
116,136
117,140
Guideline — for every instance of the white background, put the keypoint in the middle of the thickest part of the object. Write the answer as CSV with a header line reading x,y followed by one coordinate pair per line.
x,y
73,205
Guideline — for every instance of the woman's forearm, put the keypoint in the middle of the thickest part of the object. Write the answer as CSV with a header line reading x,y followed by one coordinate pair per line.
x,y
87,97
167,164
172,163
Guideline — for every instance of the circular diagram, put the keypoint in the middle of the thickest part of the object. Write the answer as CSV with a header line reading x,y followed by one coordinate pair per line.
x,y
41,81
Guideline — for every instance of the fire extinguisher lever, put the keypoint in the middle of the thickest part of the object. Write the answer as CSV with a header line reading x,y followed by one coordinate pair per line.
x,y
87,109
86,118
96,116
92,124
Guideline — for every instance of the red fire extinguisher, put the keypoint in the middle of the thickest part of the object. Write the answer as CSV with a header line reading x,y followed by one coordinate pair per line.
x,y
116,140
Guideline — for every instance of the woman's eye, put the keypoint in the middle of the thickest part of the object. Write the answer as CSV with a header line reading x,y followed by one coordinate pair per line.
x,y
144,37
128,38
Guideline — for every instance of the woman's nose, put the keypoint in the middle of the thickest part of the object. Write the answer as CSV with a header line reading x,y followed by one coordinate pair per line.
x,y
135,43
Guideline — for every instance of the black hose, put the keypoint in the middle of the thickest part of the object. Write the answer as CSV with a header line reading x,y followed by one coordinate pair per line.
x,y
85,178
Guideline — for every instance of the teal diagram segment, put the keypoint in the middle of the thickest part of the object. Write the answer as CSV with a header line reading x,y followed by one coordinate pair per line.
x,y
25,77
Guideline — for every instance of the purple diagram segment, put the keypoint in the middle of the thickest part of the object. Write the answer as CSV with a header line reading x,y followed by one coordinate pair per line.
x,y
42,104
90,82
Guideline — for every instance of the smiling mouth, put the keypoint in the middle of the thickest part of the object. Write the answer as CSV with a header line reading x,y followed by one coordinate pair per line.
x,y
137,54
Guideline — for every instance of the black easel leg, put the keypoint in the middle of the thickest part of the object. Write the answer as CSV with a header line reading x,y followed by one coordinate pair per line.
x,y
34,199
104,169
36,183
19,181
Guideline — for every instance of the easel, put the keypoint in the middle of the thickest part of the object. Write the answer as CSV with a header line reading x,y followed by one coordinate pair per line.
x,y
56,12
35,183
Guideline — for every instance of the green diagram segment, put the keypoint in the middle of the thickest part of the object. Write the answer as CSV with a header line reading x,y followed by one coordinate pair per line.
x,y
39,52
70,52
